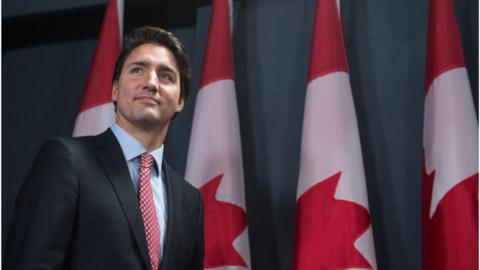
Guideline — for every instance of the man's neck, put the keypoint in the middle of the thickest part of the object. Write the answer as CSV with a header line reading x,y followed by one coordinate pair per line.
x,y
150,138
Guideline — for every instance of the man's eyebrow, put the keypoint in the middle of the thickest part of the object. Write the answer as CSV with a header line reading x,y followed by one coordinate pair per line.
x,y
139,63
167,68
162,67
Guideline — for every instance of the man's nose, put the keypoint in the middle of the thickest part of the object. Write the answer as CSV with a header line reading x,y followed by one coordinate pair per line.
x,y
152,81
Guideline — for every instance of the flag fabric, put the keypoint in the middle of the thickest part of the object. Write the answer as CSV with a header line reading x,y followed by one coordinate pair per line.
x,y
214,161
450,145
333,227
96,109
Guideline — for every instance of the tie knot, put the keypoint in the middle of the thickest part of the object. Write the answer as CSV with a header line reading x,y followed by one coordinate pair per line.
x,y
146,160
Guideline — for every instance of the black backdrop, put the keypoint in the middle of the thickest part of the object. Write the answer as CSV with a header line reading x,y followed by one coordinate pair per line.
x,y
48,45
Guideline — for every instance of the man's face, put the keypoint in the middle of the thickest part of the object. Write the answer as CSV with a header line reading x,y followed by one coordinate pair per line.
x,y
148,90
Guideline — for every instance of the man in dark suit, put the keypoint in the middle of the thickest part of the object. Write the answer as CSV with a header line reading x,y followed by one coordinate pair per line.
x,y
111,201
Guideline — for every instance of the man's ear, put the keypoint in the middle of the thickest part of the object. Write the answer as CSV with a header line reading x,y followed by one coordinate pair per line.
x,y
115,92
180,104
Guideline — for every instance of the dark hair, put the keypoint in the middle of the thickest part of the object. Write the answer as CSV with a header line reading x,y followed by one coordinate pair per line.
x,y
158,36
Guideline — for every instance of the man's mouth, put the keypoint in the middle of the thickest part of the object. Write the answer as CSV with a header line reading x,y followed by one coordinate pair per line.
x,y
147,99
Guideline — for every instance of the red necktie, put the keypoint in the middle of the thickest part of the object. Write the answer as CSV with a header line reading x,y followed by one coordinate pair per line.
x,y
147,208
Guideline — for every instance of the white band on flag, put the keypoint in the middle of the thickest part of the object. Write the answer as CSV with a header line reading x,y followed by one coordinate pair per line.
x,y
447,118
94,120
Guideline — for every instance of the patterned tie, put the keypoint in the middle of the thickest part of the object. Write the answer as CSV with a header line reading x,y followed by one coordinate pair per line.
x,y
147,208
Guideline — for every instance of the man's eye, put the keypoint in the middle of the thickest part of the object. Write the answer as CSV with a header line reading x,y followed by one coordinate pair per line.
x,y
135,70
166,77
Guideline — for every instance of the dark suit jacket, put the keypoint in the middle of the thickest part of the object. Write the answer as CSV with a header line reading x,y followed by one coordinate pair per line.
x,y
78,209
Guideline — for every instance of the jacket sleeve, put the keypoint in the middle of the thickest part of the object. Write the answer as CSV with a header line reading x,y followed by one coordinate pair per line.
x,y
197,261
45,210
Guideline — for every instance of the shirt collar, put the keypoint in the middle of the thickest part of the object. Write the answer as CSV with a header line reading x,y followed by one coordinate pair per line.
x,y
132,148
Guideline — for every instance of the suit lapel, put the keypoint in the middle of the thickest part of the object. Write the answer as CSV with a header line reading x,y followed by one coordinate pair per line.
x,y
112,159
174,199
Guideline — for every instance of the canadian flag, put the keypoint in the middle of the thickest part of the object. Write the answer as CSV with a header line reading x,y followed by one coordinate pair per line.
x,y
450,144
97,110
214,162
333,227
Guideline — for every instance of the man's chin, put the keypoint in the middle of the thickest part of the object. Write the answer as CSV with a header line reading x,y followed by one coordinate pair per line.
x,y
152,122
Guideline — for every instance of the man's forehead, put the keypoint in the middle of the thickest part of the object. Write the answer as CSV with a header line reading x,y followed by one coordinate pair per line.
x,y
152,54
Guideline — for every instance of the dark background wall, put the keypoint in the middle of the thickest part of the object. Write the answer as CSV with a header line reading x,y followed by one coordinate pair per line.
x,y
47,49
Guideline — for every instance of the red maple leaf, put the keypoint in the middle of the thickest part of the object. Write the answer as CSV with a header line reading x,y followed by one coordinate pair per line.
x,y
327,229
450,237
223,223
